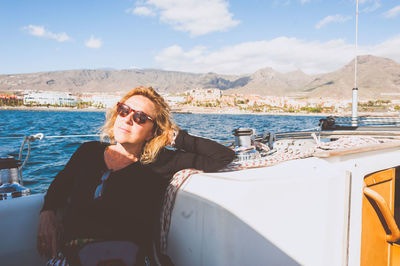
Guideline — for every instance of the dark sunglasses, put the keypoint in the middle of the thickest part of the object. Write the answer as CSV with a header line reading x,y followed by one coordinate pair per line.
x,y
99,189
138,116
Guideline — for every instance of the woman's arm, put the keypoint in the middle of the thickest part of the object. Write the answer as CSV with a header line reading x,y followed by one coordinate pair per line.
x,y
49,227
60,188
193,152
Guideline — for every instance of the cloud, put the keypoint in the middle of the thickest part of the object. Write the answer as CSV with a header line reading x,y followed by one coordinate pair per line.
x,y
372,5
283,54
197,17
141,11
388,48
392,12
329,19
144,11
40,31
288,2
94,42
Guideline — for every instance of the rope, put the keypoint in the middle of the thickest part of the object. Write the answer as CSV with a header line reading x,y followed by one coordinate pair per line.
x,y
169,200
63,136
39,136
73,136
310,129
12,137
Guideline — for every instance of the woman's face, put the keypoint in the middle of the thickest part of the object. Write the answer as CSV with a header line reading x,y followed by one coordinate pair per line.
x,y
126,130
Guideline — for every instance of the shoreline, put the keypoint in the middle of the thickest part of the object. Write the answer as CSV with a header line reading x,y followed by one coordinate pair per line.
x,y
199,111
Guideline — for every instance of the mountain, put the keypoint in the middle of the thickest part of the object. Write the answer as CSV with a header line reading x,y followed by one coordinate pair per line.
x,y
377,78
77,81
267,81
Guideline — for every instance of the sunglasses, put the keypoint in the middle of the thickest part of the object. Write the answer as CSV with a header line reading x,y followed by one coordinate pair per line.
x,y
99,189
138,116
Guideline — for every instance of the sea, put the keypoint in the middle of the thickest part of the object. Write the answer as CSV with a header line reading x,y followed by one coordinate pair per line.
x,y
49,155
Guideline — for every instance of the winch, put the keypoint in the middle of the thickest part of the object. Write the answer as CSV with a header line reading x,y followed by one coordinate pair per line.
x,y
244,144
11,180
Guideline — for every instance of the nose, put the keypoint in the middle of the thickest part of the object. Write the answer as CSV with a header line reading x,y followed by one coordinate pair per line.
x,y
129,119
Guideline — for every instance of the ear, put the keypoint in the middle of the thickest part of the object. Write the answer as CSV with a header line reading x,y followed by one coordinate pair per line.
x,y
150,136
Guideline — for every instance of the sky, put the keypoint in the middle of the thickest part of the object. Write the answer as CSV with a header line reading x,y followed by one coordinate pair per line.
x,y
198,36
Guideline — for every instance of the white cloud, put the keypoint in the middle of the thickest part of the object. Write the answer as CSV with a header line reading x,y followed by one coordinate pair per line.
x,y
197,17
141,11
304,1
372,5
388,48
94,42
282,54
392,12
40,31
333,18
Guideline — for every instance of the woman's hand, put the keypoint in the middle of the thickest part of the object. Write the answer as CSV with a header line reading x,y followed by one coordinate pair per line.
x,y
48,230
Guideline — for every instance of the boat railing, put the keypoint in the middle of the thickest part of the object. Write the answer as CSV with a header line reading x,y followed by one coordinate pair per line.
x,y
362,123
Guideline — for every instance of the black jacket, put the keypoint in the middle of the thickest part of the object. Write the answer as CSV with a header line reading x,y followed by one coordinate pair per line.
x,y
132,195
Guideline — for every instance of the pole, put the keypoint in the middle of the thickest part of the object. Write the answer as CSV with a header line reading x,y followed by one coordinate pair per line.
x,y
354,106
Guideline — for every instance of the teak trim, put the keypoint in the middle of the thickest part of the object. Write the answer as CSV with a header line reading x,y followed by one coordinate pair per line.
x,y
386,213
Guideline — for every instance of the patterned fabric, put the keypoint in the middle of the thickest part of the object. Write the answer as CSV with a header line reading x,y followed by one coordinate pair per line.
x,y
80,242
169,200
289,153
58,260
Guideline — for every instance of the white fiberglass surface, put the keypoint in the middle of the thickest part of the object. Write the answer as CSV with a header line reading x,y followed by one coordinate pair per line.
x,y
18,227
291,214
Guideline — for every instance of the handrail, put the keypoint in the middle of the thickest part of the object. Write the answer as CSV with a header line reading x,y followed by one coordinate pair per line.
x,y
387,215
356,149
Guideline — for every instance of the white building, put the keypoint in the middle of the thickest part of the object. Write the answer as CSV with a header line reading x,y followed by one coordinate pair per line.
x,y
204,94
50,98
175,100
103,100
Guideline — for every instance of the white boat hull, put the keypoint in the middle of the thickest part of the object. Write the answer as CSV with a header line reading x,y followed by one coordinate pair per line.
x,y
18,227
300,212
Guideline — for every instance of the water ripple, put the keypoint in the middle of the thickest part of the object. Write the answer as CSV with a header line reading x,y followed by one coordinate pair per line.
x,y
48,156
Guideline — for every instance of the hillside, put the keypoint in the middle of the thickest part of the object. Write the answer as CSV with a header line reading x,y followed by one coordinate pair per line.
x,y
377,78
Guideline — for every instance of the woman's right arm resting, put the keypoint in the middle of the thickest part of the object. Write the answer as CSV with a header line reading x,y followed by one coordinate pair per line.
x,y
193,152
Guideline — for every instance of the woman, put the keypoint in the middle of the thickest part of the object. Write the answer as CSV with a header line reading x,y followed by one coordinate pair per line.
x,y
113,191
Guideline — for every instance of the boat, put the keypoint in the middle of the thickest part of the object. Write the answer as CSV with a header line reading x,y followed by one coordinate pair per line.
x,y
327,196
323,197
339,206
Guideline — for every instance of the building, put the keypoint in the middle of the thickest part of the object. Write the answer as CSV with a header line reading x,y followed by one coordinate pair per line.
x,y
201,95
174,100
50,98
100,100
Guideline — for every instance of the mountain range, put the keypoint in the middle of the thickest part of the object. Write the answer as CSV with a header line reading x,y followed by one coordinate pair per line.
x,y
378,78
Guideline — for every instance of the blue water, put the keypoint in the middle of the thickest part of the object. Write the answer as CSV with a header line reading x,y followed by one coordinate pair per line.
x,y
49,155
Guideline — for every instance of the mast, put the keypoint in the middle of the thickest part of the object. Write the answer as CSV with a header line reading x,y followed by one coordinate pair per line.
x,y
354,106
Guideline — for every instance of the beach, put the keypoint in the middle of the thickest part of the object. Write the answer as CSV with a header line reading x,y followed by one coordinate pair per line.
x,y
203,110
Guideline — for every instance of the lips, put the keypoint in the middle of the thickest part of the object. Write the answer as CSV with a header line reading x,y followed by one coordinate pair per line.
x,y
124,130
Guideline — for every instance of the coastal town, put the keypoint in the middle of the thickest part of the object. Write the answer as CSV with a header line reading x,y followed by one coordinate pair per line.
x,y
199,100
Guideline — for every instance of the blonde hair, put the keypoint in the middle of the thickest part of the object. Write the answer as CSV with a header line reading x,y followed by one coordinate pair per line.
x,y
163,123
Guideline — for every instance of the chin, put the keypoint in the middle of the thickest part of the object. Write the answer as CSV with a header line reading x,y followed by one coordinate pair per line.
x,y
120,138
